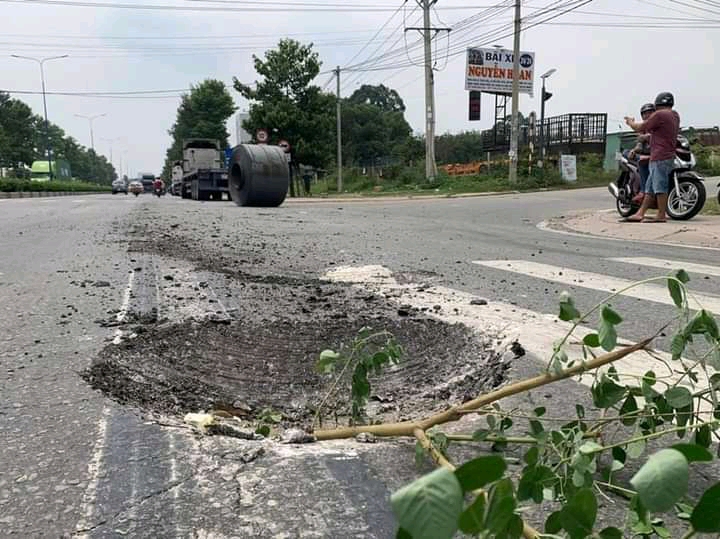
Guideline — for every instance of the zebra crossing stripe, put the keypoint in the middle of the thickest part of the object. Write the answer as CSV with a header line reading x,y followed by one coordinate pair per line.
x,y
596,281
690,267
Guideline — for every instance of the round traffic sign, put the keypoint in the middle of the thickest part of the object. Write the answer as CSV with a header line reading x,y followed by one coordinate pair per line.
x,y
285,145
261,135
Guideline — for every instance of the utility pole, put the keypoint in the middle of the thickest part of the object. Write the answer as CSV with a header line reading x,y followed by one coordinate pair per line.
x,y
428,34
338,114
41,62
515,128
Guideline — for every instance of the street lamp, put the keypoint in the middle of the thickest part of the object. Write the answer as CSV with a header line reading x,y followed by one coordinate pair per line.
x,y
92,139
544,97
90,121
40,62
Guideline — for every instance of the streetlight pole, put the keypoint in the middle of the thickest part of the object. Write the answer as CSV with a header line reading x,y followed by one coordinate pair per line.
x,y
110,141
41,62
544,97
92,138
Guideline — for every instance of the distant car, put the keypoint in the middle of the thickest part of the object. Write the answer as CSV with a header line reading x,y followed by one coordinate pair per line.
x,y
136,187
119,186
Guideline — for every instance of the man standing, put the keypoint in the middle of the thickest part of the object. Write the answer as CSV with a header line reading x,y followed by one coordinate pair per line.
x,y
663,126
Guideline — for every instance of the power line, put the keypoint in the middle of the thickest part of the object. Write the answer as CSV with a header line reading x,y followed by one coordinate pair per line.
x,y
266,7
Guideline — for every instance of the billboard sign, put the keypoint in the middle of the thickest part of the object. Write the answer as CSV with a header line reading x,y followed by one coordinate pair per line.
x,y
491,71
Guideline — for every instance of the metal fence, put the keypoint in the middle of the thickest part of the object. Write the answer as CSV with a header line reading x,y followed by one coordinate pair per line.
x,y
569,133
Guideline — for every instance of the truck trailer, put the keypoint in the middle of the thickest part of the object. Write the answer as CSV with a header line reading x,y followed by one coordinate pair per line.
x,y
204,176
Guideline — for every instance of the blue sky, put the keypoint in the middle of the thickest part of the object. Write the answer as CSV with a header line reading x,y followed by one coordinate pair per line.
x,y
600,69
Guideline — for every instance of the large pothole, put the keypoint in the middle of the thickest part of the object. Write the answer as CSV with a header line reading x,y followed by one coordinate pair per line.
x,y
257,364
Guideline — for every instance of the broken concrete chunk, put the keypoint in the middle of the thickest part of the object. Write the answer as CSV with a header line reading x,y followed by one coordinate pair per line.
x,y
297,436
366,438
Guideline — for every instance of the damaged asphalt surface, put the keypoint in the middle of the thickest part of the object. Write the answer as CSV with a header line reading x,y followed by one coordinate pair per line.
x,y
121,315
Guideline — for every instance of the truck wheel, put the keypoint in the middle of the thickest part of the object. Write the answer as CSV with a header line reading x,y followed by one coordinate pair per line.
x,y
204,195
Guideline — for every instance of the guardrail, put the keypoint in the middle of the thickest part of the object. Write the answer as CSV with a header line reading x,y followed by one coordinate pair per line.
x,y
41,194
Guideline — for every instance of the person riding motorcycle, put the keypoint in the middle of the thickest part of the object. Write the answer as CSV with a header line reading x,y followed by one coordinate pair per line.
x,y
641,153
159,185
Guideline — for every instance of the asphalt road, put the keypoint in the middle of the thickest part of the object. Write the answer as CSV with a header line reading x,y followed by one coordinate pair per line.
x,y
75,463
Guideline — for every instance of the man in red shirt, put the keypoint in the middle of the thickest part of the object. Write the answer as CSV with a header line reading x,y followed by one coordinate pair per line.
x,y
663,126
158,184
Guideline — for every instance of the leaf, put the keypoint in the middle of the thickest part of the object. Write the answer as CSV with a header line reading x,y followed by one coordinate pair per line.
x,y
711,326
514,529
533,482
619,454
677,346
610,316
580,411
536,428
678,397
539,411
429,507
649,378
676,292
611,533
403,534
579,514
590,448
635,449
501,506
682,276
327,361
480,435
693,452
705,517
553,523
592,340
479,472
662,480
702,436
264,430
608,336
472,519
606,393
629,411
568,311
532,455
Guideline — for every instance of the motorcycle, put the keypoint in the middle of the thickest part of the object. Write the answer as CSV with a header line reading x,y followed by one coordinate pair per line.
x,y
159,192
687,191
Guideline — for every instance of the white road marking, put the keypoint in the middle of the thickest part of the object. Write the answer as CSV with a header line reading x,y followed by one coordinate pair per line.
x,y
124,306
596,281
545,225
537,332
670,265
87,505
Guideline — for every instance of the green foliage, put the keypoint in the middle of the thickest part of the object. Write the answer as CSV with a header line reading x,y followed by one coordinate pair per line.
x,y
288,106
569,462
23,140
13,185
369,354
202,113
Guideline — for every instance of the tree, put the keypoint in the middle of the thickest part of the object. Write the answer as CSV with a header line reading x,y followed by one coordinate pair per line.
x,y
374,125
17,132
380,96
202,113
288,106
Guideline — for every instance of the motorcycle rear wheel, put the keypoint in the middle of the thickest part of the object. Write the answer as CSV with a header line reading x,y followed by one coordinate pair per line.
x,y
626,210
689,202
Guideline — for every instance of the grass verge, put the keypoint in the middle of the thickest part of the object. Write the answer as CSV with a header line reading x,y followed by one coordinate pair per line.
x,y
15,185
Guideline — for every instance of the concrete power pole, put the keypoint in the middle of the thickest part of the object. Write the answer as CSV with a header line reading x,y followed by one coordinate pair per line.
x,y
339,134
515,128
430,166
427,32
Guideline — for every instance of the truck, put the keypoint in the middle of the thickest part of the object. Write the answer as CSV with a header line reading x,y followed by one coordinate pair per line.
x,y
40,171
148,181
204,176
176,178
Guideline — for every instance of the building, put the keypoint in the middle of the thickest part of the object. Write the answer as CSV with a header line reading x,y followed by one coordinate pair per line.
x,y
241,136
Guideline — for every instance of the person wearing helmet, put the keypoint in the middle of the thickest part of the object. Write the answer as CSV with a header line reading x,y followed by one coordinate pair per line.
x,y
663,126
641,153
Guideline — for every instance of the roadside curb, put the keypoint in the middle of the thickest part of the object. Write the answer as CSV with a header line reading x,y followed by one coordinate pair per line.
x,y
560,225
42,194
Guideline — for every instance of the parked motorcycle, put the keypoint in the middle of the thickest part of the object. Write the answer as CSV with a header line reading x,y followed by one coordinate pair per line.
x,y
687,191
